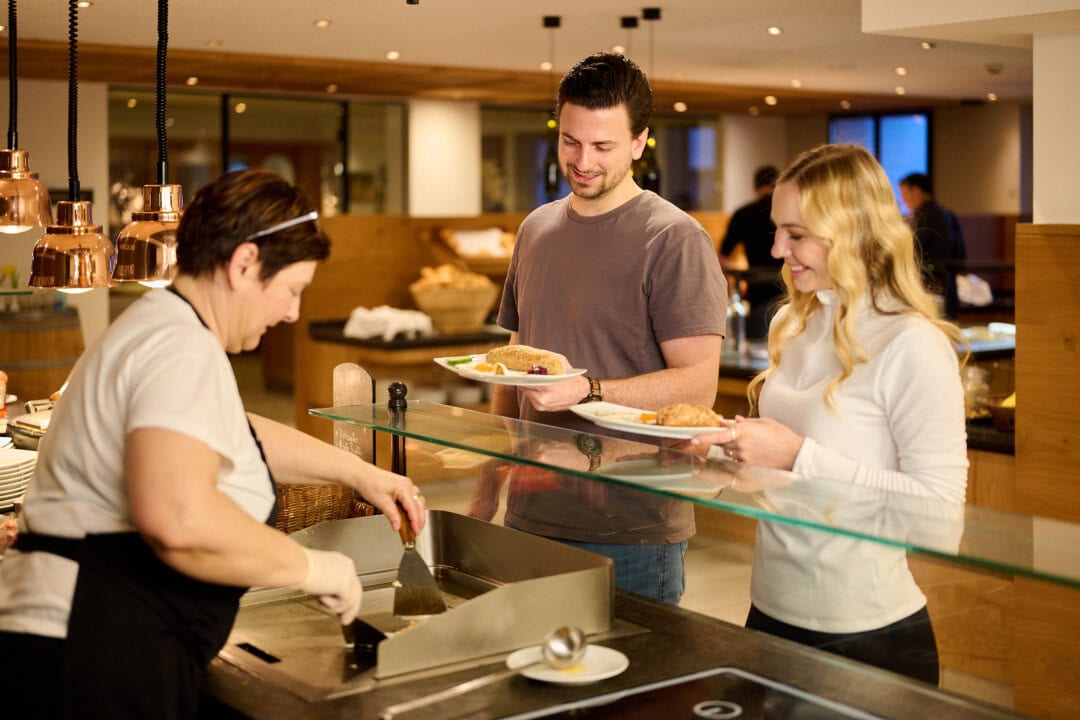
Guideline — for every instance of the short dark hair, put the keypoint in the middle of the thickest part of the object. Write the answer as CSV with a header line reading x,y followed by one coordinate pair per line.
x,y
919,180
236,205
604,80
765,176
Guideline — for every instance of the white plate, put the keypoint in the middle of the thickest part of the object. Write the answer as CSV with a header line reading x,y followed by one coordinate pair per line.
x,y
627,419
17,458
598,663
675,478
512,377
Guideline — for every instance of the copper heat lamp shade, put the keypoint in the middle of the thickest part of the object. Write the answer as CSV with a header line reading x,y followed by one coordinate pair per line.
x,y
146,247
73,254
24,200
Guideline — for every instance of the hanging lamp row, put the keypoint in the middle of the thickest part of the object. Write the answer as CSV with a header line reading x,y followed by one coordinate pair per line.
x,y
73,255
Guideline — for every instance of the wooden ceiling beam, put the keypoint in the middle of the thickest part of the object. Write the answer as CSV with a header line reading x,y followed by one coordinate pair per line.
x,y
241,72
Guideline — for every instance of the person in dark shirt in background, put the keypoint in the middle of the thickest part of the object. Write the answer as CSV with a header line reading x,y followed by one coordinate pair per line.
x,y
938,236
751,227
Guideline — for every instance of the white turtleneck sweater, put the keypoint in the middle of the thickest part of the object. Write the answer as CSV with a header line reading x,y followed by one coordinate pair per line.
x,y
898,427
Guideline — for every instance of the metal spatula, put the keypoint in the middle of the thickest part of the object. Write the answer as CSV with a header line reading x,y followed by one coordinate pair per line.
x,y
416,592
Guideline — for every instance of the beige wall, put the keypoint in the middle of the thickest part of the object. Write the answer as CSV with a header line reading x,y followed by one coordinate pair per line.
x,y
444,159
977,155
42,127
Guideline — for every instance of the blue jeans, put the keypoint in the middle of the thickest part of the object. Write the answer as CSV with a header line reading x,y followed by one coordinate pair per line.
x,y
655,571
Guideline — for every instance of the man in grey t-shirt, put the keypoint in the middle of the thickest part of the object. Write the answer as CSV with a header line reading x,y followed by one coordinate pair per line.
x,y
621,282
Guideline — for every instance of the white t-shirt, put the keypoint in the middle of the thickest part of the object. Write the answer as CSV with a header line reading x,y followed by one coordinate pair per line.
x,y
156,366
898,427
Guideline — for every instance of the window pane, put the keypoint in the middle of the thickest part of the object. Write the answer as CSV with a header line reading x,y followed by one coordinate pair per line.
x,y
514,147
376,158
905,146
298,139
193,132
856,130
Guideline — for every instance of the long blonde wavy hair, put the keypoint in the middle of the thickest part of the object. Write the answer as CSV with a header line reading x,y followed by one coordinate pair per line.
x,y
846,199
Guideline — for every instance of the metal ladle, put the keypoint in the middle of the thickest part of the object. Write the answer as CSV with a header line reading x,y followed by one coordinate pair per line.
x,y
562,648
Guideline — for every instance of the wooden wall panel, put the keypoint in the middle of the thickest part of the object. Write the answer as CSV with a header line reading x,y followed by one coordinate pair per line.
x,y
1048,371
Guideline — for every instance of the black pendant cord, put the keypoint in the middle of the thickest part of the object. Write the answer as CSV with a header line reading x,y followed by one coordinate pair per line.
x,y
13,73
73,99
159,107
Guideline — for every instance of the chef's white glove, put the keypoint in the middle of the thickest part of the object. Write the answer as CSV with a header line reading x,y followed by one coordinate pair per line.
x,y
331,577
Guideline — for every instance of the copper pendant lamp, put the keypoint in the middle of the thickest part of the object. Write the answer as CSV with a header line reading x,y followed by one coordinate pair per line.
x,y
24,200
146,247
73,255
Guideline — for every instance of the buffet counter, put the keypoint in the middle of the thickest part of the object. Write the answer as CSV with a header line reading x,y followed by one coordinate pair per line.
x,y
667,645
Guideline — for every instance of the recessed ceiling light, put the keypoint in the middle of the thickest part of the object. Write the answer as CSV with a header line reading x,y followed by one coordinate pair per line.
x,y
215,43
900,91
240,108
618,49
774,30
3,28
393,55
796,83
545,66
845,104
927,45
192,81
680,106
132,102
331,88
753,110
770,100
322,23
85,3
169,122
992,97
901,71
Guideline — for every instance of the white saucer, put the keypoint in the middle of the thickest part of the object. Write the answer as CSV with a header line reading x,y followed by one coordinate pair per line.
x,y
599,663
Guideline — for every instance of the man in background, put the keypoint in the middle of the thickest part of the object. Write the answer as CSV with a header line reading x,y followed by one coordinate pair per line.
x,y
938,236
752,227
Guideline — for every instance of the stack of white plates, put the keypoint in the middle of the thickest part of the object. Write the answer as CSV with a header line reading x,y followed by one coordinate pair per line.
x,y
16,467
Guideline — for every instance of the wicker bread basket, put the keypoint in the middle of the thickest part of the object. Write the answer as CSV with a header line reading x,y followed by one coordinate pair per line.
x,y
300,506
456,310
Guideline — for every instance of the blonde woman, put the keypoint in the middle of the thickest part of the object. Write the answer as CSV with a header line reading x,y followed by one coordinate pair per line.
x,y
862,387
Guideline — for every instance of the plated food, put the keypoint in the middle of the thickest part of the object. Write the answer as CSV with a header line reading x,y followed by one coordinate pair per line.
x,y
511,365
647,422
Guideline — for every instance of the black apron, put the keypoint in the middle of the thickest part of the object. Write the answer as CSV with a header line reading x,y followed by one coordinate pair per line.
x,y
140,634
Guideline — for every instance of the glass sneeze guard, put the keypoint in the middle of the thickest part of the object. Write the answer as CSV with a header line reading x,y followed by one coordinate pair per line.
x,y
1038,547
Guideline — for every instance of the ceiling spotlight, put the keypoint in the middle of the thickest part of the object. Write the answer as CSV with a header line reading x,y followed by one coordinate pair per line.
x,y
796,83
900,91
132,102
774,30
992,97
192,81
901,71
331,88
215,43
85,3
680,106
650,13
628,22
322,23
546,66
927,45
412,2
845,104
240,108
618,49
770,100
393,55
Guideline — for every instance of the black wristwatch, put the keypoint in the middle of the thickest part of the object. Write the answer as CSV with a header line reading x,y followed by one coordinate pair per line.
x,y
595,394
591,446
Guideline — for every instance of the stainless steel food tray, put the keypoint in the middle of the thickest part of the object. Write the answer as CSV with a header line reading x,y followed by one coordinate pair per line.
x,y
505,589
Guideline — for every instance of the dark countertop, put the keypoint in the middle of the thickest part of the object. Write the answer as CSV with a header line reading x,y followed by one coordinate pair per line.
x,y
675,642
333,331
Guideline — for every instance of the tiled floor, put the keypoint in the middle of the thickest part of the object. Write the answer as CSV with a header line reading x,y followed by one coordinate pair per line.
x,y
718,570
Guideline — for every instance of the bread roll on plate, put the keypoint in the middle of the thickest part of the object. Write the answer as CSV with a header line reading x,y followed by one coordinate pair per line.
x,y
524,358
687,415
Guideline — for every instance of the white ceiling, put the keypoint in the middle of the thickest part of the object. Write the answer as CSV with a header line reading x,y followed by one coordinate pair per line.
x,y
709,41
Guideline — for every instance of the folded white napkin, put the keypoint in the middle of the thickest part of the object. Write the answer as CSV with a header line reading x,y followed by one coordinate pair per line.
x,y
387,322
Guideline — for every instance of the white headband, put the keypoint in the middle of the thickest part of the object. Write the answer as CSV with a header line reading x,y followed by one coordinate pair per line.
x,y
310,217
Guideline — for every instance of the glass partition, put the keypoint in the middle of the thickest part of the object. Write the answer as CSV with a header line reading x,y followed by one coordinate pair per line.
x,y
1000,541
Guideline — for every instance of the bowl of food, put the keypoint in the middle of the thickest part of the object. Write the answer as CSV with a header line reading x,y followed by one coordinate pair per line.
x,y
1002,409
